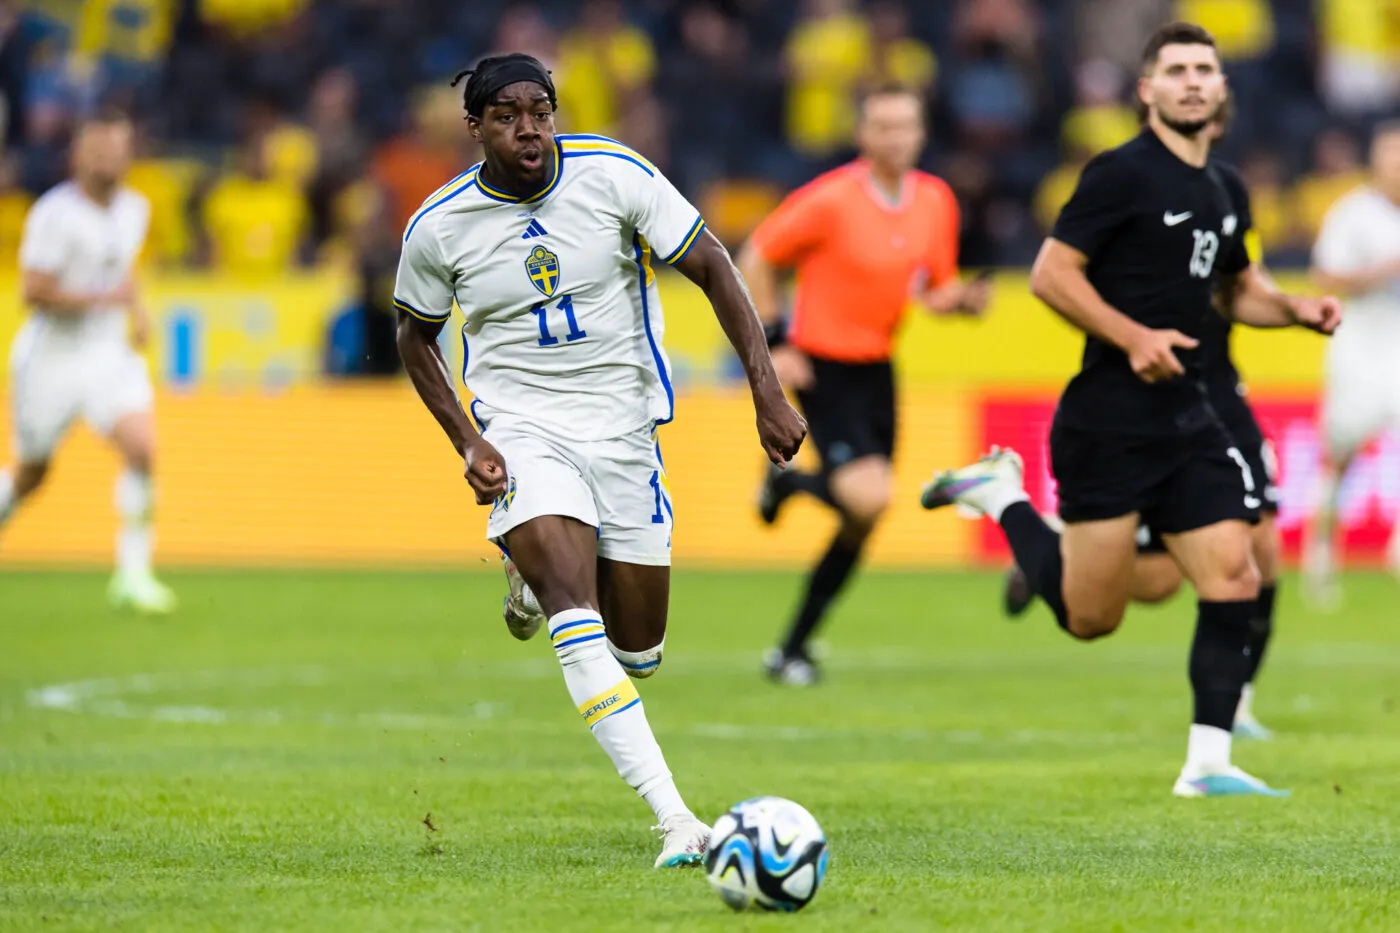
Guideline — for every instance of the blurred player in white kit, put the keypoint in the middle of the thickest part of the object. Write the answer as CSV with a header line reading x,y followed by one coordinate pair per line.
x,y
1357,256
76,355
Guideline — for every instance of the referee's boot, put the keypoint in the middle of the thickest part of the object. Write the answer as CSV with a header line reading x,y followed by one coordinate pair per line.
x,y
777,489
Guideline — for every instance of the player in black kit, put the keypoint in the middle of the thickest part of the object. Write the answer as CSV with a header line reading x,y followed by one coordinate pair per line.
x,y
1156,576
1150,243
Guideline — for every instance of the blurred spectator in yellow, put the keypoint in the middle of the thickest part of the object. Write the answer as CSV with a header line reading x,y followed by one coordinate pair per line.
x,y
1360,44
1243,29
827,55
1264,174
168,184
1099,119
605,65
1056,188
14,205
255,224
136,31
417,163
896,56
1337,169
246,18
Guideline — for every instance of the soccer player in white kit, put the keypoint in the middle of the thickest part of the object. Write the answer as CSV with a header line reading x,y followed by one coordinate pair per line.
x,y
547,247
76,355
1357,255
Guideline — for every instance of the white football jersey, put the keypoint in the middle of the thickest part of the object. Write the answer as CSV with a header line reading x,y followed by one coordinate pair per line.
x,y
563,321
1360,231
90,248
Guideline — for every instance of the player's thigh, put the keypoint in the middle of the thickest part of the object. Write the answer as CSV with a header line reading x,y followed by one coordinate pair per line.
x,y
627,479
863,487
558,557
1098,572
118,402
546,519
635,600
1156,578
1218,559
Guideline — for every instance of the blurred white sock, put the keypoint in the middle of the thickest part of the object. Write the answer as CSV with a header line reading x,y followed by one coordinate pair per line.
x,y
7,495
134,546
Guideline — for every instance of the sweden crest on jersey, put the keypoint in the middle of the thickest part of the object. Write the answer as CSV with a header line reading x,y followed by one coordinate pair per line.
x,y
543,268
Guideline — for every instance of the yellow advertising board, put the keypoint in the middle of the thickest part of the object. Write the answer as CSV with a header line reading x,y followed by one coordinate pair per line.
x,y
361,475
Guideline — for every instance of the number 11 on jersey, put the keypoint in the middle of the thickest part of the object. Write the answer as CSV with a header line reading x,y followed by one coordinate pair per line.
x,y
541,313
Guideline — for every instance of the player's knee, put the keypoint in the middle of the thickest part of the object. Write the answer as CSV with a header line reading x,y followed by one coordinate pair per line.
x,y
863,490
1096,623
639,664
29,477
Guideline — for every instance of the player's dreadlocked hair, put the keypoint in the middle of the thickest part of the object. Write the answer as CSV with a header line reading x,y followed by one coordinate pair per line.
x,y
492,74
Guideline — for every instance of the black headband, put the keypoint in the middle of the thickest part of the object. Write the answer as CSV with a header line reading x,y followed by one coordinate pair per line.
x,y
496,73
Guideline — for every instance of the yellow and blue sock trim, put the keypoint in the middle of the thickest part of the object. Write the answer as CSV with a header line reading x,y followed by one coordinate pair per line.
x,y
609,703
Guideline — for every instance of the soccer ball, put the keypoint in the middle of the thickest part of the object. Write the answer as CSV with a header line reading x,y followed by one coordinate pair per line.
x,y
768,853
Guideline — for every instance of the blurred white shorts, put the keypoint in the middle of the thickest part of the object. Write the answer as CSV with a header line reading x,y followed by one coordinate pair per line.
x,y
54,380
1361,395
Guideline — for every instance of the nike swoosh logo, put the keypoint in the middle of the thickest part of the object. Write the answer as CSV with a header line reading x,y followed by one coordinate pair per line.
x,y
1171,220
958,487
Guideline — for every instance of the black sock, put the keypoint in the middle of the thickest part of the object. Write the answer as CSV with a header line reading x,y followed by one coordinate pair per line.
x,y
1037,549
813,484
1220,660
1262,628
829,576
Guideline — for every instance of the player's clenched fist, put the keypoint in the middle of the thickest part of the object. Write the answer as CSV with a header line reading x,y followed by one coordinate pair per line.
x,y
1152,354
485,471
1323,315
780,428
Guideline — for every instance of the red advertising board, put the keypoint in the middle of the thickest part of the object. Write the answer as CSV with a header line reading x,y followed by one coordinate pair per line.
x,y
1370,494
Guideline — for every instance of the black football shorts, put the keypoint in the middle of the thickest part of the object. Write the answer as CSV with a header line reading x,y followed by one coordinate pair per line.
x,y
850,411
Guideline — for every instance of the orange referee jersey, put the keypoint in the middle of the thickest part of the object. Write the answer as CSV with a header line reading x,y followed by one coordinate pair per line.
x,y
859,258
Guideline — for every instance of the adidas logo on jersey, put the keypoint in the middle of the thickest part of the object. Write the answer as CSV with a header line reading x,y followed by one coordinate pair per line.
x,y
534,229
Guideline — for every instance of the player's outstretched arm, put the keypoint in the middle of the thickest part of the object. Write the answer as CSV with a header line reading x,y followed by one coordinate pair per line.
x,y
780,428
1253,298
1059,280
44,290
422,358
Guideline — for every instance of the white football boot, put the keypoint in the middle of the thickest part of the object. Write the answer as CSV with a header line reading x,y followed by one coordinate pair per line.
x,y
981,487
141,592
522,613
684,841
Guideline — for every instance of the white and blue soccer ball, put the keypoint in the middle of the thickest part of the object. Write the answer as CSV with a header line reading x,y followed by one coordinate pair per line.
x,y
767,853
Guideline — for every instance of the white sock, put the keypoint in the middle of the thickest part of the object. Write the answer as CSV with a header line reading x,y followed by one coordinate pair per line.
x,y
134,500
7,495
1246,708
612,709
639,665
998,497
1207,750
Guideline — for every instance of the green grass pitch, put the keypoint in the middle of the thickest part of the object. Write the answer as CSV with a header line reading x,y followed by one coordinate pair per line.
x,y
372,751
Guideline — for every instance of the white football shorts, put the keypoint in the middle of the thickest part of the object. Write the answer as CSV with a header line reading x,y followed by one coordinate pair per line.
x,y
54,380
1361,396
617,486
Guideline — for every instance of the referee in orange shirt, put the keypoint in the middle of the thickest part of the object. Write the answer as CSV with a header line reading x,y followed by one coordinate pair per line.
x,y
864,240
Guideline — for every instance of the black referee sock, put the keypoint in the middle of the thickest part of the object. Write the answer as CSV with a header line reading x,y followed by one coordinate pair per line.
x,y
829,576
1037,549
1221,660
813,484
1261,629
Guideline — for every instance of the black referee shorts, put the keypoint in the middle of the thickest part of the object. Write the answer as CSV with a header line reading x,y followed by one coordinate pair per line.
x,y
1176,484
850,411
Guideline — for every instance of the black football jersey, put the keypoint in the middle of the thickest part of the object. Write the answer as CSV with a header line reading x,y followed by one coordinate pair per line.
x,y
1158,233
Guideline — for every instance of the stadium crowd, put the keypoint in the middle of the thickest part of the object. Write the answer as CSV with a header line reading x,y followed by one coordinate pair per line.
x,y
278,133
